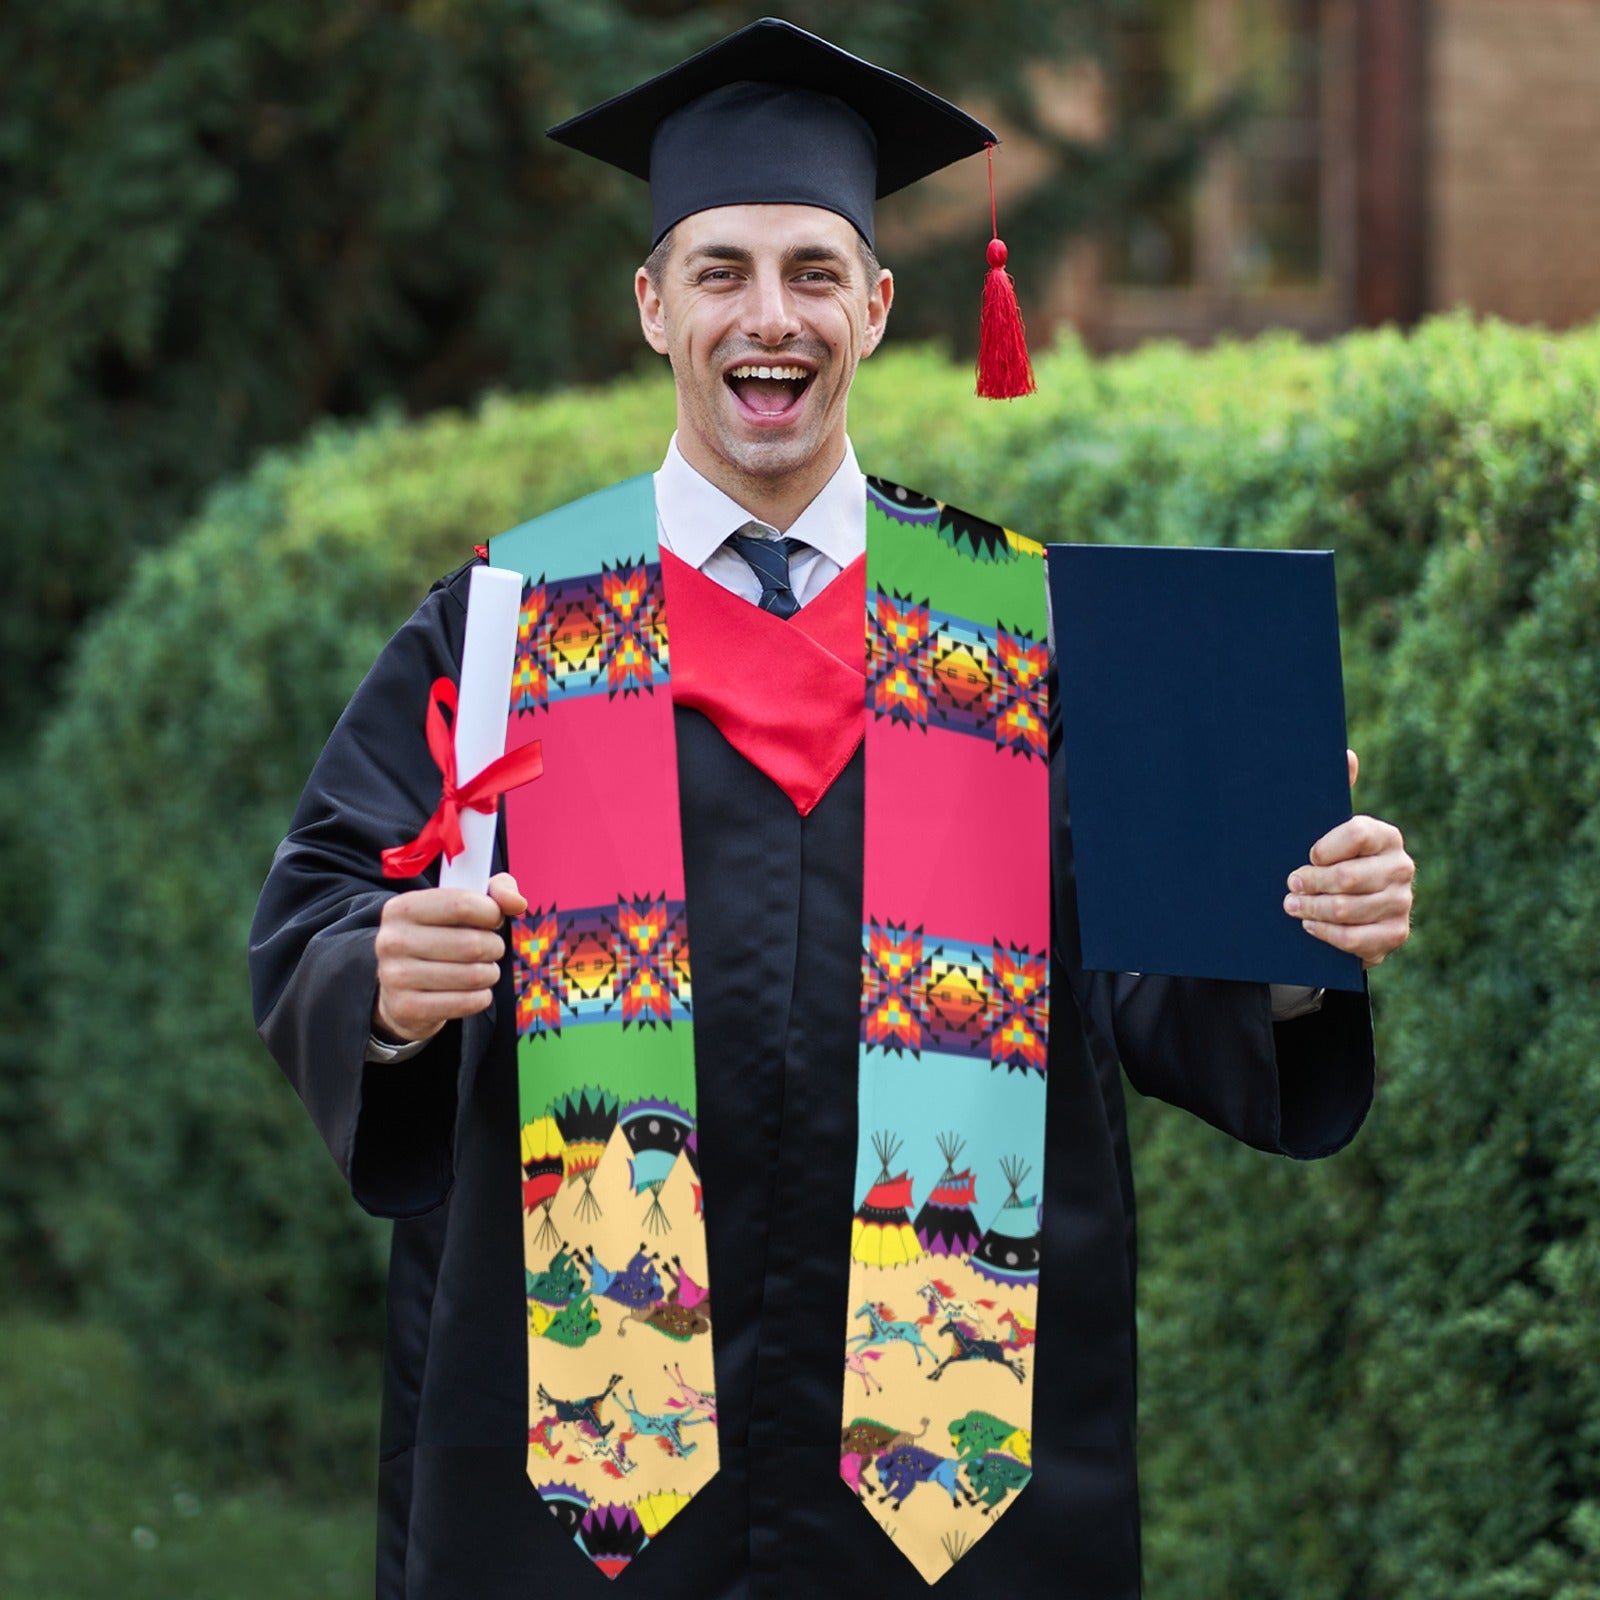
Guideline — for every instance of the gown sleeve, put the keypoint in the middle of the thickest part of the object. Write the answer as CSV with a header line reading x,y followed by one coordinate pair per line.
x,y
390,1127
1299,1088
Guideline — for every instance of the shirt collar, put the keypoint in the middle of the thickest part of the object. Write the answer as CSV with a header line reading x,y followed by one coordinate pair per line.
x,y
695,517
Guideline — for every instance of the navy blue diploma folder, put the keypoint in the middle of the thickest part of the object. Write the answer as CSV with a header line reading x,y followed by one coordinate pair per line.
x,y
1202,717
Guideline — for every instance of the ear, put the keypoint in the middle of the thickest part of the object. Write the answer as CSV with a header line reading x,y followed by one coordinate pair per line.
x,y
652,314
879,300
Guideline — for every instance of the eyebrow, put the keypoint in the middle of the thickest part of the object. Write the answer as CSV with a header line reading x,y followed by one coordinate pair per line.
x,y
738,255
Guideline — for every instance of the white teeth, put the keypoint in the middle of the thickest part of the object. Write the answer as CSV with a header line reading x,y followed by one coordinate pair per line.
x,y
797,374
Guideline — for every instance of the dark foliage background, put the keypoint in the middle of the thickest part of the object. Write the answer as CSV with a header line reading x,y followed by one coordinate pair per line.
x,y
218,224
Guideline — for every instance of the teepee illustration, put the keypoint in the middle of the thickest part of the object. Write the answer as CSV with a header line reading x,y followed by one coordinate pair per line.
x,y
881,1234
945,1224
1009,1251
585,1118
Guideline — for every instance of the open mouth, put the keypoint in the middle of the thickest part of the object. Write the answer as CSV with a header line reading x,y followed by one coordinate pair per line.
x,y
769,391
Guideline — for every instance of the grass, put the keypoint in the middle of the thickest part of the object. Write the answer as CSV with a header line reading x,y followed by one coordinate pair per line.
x,y
92,1504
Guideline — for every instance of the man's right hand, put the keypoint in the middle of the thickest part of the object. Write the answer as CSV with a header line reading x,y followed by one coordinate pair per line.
x,y
439,954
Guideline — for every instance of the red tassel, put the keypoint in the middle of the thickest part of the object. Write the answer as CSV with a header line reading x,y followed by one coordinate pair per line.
x,y
1004,370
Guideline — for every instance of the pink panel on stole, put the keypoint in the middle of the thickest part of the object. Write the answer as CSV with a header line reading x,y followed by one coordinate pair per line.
x,y
980,818
603,820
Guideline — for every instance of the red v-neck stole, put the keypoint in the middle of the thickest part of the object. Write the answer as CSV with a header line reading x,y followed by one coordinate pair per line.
x,y
789,696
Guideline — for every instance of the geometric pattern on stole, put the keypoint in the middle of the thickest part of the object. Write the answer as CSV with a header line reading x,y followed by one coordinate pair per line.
x,y
621,1389
945,1242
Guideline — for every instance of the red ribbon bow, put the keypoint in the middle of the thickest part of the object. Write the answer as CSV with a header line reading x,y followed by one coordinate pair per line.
x,y
442,831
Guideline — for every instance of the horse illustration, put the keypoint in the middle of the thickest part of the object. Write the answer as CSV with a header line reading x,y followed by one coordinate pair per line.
x,y
688,1398
969,1347
942,1302
585,1412
659,1425
856,1361
883,1330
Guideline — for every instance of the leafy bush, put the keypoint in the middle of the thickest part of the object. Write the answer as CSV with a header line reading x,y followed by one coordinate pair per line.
x,y
1374,1377
1377,1377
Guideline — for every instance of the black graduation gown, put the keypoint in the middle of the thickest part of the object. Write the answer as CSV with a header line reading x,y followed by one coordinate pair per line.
x,y
775,913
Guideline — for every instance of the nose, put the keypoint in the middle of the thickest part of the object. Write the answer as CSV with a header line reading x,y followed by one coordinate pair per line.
x,y
771,318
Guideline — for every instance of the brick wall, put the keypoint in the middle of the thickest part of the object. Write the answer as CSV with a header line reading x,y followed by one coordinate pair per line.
x,y
1514,158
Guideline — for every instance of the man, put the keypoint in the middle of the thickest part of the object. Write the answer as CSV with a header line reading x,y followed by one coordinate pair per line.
x,y
395,1014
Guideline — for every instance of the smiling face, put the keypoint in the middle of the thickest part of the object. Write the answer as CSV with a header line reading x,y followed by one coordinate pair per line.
x,y
764,311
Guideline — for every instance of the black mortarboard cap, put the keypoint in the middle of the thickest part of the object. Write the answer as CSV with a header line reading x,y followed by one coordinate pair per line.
x,y
774,115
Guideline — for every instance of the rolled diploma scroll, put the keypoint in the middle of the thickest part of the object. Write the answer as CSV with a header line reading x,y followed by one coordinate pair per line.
x,y
494,603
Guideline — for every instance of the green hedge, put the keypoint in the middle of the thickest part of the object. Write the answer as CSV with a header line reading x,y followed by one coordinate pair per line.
x,y
1375,1377
1378,1377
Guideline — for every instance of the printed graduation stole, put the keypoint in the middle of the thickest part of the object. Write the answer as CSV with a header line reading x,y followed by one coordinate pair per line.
x,y
944,1241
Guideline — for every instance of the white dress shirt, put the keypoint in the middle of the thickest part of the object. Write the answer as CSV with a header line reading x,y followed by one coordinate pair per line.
x,y
694,518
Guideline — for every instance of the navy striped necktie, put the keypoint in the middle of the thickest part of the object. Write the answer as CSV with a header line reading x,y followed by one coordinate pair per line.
x,y
769,560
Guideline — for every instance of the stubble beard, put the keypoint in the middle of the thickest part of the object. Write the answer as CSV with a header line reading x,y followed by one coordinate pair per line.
x,y
767,459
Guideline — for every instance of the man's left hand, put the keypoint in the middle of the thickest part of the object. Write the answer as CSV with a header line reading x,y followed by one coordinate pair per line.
x,y
1355,893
